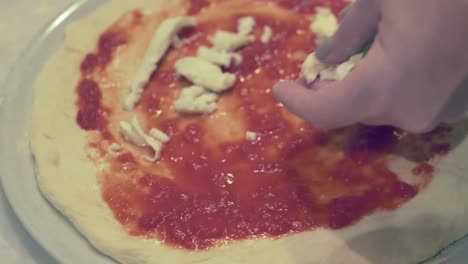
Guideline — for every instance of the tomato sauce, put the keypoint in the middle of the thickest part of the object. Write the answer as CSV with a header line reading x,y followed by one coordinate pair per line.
x,y
89,95
214,188
196,6
308,6
108,43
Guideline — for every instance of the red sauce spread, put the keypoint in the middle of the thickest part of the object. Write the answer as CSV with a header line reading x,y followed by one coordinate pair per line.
x,y
107,44
308,6
212,185
89,95
423,168
196,6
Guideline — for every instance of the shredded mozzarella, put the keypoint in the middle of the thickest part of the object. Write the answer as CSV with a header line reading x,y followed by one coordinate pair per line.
x,y
228,41
133,133
205,74
325,24
246,25
162,40
196,100
266,35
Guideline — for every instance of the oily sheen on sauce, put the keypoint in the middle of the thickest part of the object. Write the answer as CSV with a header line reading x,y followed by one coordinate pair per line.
x,y
294,178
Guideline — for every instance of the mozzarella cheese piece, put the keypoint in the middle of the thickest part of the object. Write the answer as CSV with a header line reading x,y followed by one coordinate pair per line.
x,y
245,25
314,69
219,57
162,40
325,24
159,135
205,74
341,71
114,147
251,136
266,35
196,100
311,68
133,133
228,41
204,70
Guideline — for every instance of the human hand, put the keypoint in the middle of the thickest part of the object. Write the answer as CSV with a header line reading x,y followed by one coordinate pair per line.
x,y
415,75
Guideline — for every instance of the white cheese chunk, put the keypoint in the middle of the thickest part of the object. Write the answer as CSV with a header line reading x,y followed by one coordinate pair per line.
x,y
114,147
156,146
162,40
266,35
345,68
251,136
192,91
328,74
341,71
159,135
228,41
245,25
133,133
325,24
196,100
313,69
205,74
218,57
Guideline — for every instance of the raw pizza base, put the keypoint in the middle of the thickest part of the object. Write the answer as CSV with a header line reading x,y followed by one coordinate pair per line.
x,y
67,178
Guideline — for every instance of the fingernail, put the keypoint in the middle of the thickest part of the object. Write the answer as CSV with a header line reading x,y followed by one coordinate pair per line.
x,y
345,11
324,49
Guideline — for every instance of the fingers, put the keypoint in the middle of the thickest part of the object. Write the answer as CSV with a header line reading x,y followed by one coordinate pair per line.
x,y
345,11
340,103
323,106
357,29
457,107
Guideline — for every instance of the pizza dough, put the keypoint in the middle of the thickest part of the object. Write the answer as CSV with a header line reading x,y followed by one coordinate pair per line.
x,y
67,178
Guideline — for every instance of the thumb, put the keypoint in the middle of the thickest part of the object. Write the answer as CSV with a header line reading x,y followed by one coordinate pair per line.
x,y
339,103
357,29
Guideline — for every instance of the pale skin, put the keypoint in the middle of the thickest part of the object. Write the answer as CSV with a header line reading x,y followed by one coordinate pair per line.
x,y
415,75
